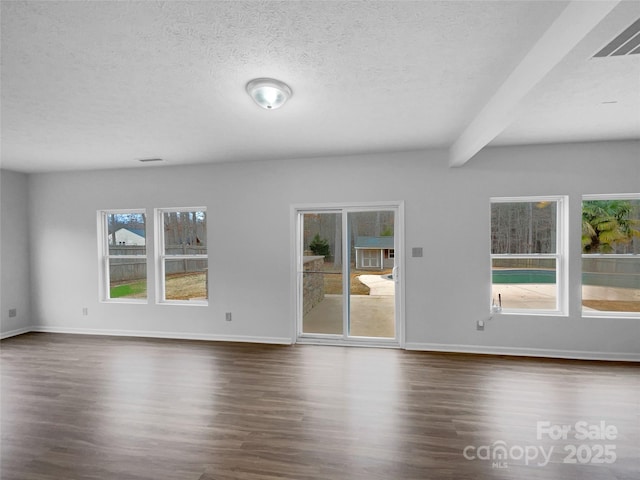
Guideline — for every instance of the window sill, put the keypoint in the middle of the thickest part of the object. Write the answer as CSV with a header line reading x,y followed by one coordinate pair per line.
x,y
597,314
190,303
524,313
135,301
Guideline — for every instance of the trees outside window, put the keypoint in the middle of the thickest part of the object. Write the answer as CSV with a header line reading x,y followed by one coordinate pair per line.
x,y
319,246
528,255
611,255
182,255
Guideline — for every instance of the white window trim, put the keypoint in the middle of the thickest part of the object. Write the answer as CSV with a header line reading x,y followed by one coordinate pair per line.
x,y
603,313
161,257
561,256
104,282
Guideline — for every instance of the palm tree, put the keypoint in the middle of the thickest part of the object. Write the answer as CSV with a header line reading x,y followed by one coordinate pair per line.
x,y
606,223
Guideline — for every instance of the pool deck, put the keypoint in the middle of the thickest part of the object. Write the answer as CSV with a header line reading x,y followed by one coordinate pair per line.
x,y
542,296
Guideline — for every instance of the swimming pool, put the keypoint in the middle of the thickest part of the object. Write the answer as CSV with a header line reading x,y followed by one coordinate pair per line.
x,y
513,275
522,275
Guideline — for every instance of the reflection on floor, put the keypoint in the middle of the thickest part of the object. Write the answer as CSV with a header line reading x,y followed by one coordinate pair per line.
x,y
117,408
371,316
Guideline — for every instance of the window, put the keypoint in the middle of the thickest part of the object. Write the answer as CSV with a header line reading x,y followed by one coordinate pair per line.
x,y
611,255
123,246
182,255
528,255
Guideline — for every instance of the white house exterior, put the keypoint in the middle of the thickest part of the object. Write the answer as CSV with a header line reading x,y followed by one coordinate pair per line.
x,y
375,253
125,236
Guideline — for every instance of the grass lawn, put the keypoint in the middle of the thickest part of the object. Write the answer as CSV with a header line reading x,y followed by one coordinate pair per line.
x,y
613,305
186,286
333,283
179,286
130,290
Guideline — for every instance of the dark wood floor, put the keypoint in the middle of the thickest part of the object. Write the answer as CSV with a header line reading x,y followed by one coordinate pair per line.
x,y
86,407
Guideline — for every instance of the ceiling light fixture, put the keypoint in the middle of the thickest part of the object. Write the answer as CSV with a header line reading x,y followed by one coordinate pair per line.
x,y
268,92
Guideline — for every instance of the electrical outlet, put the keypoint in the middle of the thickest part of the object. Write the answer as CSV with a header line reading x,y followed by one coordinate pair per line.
x,y
480,325
13,312
227,316
85,311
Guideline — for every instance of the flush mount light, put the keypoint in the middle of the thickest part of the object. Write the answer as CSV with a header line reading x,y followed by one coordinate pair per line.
x,y
268,92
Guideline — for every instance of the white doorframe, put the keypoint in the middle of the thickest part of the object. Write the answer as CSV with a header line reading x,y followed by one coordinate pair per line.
x,y
296,276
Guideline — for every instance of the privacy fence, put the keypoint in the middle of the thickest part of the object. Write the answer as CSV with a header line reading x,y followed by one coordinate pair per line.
x,y
122,270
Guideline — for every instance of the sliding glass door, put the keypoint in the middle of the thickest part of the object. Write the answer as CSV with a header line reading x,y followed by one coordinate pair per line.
x,y
347,274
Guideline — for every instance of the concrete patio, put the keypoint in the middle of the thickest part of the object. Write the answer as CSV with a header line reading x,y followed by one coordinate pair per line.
x,y
371,315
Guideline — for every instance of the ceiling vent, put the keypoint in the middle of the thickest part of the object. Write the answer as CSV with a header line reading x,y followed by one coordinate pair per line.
x,y
627,43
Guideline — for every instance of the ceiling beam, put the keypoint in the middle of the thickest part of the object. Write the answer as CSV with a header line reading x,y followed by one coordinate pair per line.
x,y
571,26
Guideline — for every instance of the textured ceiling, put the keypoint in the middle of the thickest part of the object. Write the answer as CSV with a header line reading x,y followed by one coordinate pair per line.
x,y
89,85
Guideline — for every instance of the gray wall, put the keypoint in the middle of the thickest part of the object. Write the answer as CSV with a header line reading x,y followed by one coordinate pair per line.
x,y
447,213
14,253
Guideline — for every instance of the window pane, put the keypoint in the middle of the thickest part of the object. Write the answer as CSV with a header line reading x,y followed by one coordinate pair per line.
x,y
185,233
322,298
611,284
186,279
523,227
372,290
322,295
127,234
127,278
524,283
608,226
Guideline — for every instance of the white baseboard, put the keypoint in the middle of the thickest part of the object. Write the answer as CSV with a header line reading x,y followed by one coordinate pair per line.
x,y
13,333
525,352
428,347
173,335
